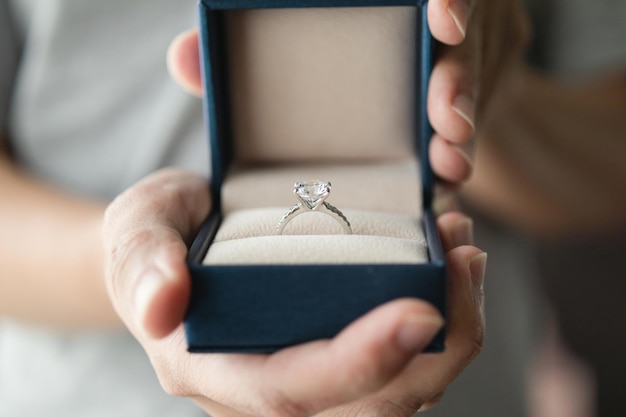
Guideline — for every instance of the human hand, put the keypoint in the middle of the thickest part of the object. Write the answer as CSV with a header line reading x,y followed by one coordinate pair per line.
x,y
373,367
480,40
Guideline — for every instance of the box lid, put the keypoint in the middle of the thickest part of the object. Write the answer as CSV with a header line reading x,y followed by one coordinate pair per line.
x,y
215,77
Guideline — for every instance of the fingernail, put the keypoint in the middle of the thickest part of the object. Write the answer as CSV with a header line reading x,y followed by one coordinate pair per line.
x,y
460,12
478,267
462,232
150,283
465,107
417,331
464,154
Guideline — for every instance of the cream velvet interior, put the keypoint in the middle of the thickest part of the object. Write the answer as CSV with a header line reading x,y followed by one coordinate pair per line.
x,y
381,201
320,84
322,94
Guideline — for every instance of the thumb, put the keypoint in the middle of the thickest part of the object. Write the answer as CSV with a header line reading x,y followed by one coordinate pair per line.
x,y
362,359
145,251
150,285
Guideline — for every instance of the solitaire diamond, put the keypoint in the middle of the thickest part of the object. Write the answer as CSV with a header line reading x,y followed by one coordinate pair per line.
x,y
312,196
312,193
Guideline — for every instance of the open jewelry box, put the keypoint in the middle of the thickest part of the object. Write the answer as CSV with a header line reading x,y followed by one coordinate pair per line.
x,y
331,90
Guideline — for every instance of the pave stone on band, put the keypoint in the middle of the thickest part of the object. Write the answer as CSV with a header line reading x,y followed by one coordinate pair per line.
x,y
312,196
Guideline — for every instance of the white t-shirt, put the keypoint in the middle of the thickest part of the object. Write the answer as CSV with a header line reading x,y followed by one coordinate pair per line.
x,y
94,109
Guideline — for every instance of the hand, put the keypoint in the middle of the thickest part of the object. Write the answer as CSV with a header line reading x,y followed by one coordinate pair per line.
x,y
479,40
374,367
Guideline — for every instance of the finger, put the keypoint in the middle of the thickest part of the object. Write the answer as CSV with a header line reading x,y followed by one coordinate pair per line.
x,y
449,161
456,229
429,374
360,360
466,266
466,269
451,96
448,19
183,61
144,233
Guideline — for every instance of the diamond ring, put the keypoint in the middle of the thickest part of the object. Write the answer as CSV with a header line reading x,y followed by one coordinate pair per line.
x,y
312,196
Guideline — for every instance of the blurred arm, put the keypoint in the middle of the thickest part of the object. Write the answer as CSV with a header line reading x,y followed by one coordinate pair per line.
x,y
50,254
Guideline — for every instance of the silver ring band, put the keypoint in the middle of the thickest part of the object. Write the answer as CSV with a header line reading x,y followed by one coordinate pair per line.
x,y
312,195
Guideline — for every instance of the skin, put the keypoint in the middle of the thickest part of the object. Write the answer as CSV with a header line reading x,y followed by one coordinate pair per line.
x,y
64,287
146,230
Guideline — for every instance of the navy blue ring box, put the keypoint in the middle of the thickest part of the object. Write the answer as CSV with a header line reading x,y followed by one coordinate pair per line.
x,y
263,308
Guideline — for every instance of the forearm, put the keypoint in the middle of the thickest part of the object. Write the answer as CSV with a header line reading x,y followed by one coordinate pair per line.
x,y
50,255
